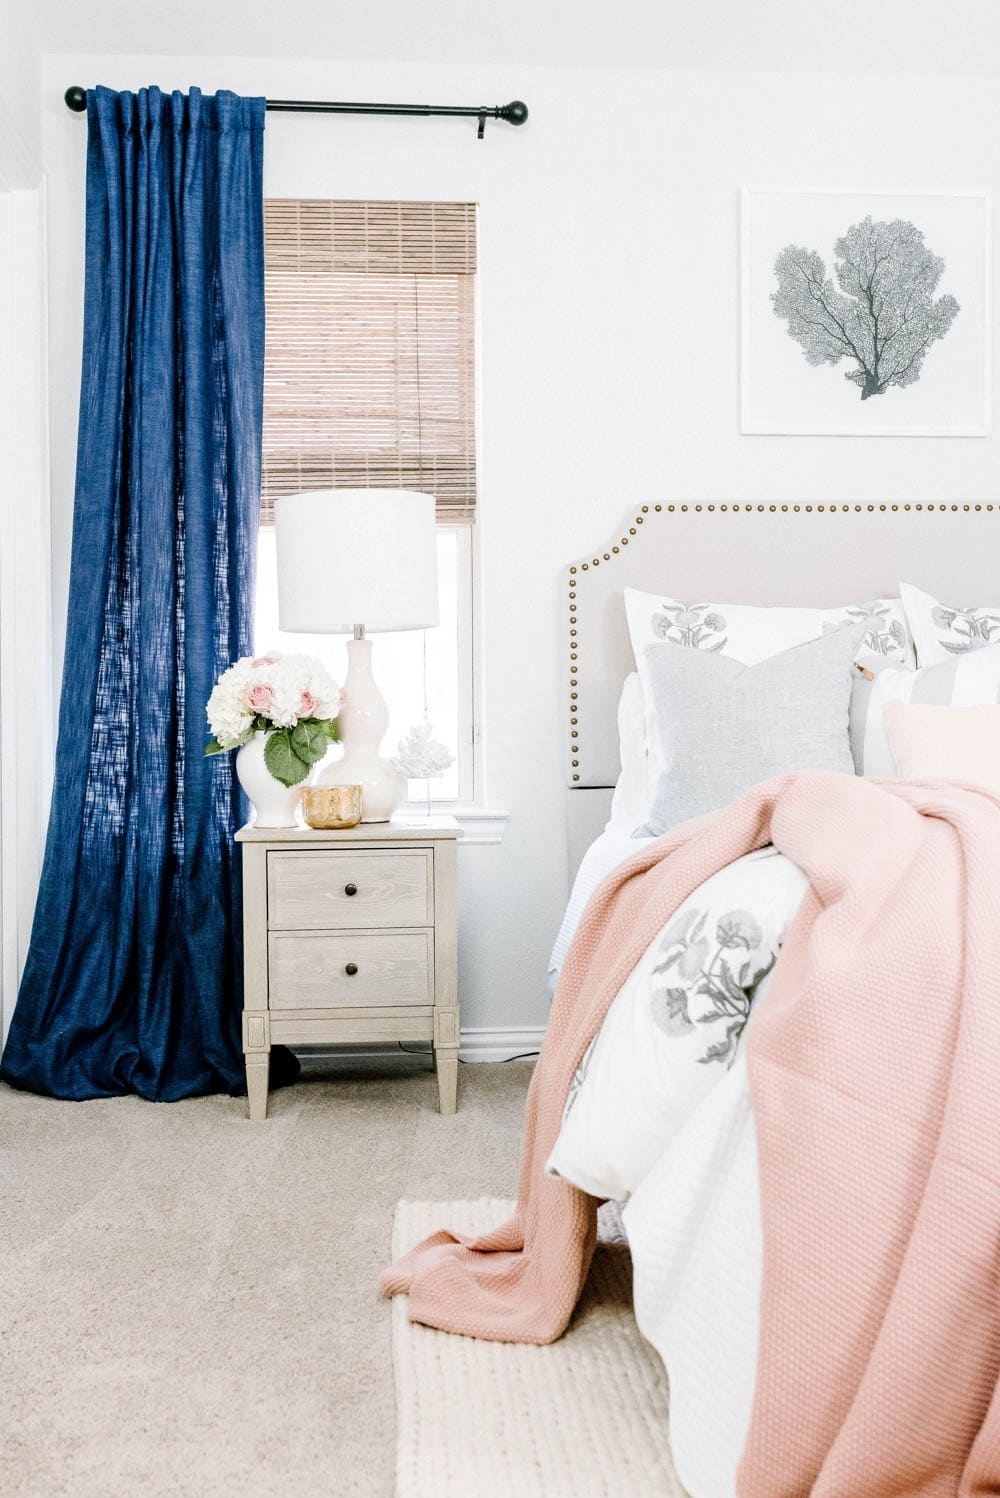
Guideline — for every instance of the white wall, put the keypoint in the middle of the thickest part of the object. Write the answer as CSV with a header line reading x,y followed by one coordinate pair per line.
x,y
609,279
20,92
25,665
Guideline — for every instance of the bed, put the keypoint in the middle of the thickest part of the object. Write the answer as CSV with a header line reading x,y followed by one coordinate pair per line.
x,y
774,1035
766,554
695,1301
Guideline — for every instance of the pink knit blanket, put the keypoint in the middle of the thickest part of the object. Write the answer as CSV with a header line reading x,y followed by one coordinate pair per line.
x,y
875,1077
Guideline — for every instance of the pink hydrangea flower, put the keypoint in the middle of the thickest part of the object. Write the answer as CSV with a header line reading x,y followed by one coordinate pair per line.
x,y
307,705
264,660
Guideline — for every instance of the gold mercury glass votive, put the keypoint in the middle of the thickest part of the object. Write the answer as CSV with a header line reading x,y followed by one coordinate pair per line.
x,y
326,806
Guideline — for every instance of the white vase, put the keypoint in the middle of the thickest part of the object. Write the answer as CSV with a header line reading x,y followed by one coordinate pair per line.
x,y
363,721
275,804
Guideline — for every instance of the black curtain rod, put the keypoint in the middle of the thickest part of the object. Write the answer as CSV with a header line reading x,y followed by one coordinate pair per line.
x,y
515,113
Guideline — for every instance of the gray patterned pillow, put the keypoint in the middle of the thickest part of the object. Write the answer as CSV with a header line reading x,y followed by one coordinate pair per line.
x,y
723,726
942,631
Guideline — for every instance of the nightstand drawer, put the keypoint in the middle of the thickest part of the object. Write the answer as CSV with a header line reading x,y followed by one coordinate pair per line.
x,y
343,969
326,890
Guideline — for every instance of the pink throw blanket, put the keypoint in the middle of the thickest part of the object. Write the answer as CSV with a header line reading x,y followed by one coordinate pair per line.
x,y
875,1077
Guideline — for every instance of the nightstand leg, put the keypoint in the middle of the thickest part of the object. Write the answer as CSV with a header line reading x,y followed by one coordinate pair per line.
x,y
446,1066
258,1064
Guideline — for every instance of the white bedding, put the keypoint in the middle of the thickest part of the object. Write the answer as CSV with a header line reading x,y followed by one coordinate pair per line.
x,y
653,1121
614,845
693,1226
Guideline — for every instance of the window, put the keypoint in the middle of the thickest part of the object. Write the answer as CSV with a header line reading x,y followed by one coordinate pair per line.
x,y
370,382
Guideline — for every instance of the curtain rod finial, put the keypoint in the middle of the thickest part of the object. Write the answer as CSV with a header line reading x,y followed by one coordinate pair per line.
x,y
76,98
515,113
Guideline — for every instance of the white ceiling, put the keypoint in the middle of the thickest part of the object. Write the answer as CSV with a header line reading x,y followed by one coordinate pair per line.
x,y
852,36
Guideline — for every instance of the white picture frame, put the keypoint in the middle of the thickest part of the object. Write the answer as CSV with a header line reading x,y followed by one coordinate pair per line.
x,y
784,393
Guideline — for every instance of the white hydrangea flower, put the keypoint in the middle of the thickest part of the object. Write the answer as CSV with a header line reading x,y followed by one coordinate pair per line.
x,y
227,712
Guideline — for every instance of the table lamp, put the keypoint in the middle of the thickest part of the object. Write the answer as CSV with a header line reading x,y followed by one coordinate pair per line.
x,y
353,560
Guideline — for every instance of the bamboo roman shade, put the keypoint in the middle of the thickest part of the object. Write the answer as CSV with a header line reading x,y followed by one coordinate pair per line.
x,y
370,367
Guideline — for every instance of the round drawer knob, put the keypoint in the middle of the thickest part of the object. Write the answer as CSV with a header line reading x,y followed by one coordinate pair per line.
x,y
350,889
351,969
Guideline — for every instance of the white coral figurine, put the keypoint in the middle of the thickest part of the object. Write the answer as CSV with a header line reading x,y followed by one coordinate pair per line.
x,y
420,756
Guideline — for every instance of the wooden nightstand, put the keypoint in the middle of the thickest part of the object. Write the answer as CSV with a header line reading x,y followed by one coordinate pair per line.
x,y
350,936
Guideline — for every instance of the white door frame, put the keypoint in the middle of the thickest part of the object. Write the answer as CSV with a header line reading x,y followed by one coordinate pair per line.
x,y
26,737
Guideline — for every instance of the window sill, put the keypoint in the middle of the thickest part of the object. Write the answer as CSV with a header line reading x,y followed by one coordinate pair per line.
x,y
479,824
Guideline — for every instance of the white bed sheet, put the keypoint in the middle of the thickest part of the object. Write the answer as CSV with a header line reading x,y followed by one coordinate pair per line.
x,y
614,845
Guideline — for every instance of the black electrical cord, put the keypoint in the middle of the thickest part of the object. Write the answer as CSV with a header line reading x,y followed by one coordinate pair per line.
x,y
522,1056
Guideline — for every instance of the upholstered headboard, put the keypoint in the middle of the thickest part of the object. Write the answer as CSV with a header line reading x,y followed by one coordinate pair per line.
x,y
818,555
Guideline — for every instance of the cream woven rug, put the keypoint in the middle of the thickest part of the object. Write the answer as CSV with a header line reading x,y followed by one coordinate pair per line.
x,y
585,1417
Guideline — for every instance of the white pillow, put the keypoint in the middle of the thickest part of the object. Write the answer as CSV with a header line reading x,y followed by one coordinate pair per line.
x,y
749,635
675,1026
635,786
941,631
966,680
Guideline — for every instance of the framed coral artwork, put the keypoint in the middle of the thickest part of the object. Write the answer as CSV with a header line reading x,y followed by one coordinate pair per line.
x,y
865,313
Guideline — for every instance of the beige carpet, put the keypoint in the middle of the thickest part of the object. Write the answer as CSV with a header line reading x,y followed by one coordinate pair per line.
x,y
585,1418
188,1302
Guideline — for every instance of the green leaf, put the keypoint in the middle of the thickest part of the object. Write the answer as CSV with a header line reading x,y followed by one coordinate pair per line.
x,y
214,747
309,740
282,760
329,726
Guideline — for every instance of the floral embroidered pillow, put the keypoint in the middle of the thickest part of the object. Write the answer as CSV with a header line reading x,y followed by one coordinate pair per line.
x,y
942,631
749,635
676,1025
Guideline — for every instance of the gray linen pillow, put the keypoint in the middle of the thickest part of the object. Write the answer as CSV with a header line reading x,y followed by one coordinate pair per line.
x,y
724,726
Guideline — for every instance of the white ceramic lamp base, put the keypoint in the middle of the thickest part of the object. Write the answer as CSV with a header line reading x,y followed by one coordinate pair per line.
x,y
363,721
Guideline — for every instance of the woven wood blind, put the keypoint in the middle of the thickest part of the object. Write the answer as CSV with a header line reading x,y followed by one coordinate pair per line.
x,y
369,367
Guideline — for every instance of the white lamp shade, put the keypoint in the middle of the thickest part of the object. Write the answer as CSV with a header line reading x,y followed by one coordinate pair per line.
x,y
356,556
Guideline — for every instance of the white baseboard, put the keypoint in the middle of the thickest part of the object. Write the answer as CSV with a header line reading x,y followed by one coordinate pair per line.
x,y
476,1045
500,1045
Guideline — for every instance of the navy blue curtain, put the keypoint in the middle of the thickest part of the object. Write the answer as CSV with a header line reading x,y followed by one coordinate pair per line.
x,y
133,979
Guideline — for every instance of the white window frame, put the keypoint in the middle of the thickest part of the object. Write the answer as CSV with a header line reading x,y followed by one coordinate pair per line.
x,y
480,825
468,754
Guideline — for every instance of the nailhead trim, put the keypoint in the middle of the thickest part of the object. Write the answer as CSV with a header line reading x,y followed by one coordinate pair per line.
x,y
722,509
